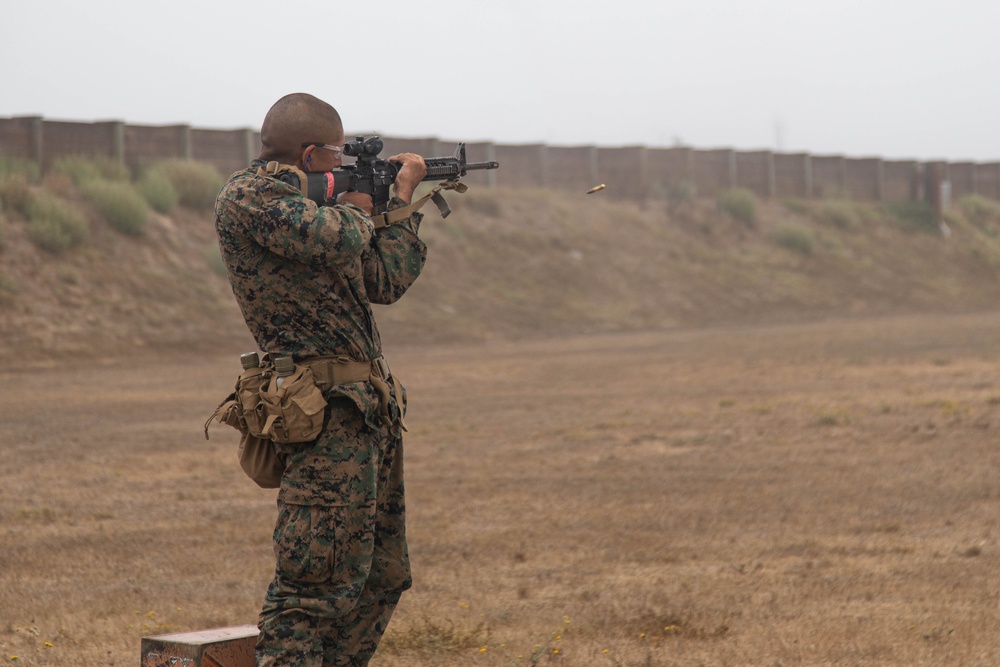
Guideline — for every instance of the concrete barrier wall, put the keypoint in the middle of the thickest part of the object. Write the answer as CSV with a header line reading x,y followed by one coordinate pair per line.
x,y
61,139
755,172
17,137
668,167
962,177
862,179
792,175
522,166
623,170
988,180
901,180
633,172
145,144
713,171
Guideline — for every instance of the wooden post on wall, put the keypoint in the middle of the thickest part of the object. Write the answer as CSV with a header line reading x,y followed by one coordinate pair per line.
x,y
37,140
187,150
250,141
879,181
118,140
807,172
432,147
543,163
491,156
644,176
771,186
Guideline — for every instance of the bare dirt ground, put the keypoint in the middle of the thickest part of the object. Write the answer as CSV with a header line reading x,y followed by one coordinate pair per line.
x,y
821,494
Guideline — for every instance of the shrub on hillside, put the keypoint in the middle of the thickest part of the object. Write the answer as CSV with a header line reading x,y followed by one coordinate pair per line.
x,y
54,225
915,215
119,204
157,189
795,238
82,169
979,210
740,204
197,183
15,192
680,193
840,214
27,168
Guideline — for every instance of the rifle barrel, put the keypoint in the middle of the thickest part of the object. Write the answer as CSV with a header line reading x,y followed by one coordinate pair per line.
x,y
492,164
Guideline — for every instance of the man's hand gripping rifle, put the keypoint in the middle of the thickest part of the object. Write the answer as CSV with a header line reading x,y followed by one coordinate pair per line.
x,y
374,176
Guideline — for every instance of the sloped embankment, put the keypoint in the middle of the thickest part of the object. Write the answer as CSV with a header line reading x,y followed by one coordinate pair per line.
x,y
512,264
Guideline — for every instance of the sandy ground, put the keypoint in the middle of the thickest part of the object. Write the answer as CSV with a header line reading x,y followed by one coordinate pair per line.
x,y
812,494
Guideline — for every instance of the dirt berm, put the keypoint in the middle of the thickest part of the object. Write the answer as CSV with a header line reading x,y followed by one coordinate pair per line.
x,y
511,264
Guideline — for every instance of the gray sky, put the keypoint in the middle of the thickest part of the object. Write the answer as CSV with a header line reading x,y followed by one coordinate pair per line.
x,y
893,78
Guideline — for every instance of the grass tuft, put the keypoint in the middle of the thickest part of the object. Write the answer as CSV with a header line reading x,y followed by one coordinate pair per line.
x,y
83,169
739,204
916,216
979,210
435,636
680,194
15,192
29,169
54,225
794,237
158,190
197,183
838,214
119,203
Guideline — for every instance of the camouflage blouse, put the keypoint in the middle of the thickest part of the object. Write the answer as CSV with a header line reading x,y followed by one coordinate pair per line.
x,y
305,275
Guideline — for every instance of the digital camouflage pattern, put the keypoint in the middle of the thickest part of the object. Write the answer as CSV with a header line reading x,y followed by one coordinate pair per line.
x,y
305,277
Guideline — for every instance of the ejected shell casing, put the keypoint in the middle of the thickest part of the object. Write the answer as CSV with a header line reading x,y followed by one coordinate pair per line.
x,y
596,188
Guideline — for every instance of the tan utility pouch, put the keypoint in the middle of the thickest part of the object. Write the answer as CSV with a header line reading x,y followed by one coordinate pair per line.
x,y
243,411
294,407
261,462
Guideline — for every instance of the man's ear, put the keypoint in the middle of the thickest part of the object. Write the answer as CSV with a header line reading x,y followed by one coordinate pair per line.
x,y
307,156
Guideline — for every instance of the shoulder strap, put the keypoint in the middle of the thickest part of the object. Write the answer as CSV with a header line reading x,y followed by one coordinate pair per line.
x,y
276,169
404,212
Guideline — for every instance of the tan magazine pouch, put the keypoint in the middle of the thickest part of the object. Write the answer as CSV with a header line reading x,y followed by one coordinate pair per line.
x,y
294,407
248,396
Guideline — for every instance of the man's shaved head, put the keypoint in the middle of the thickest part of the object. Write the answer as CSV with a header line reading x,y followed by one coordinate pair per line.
x,y
297,119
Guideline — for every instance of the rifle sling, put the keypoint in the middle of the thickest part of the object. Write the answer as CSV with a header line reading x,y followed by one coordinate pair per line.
x,y
404,212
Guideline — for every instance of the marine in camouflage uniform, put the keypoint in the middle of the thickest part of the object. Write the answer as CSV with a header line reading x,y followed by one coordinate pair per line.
x,y
305,277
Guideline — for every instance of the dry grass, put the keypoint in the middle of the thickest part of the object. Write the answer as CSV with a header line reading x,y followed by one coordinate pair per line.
x,y
813,494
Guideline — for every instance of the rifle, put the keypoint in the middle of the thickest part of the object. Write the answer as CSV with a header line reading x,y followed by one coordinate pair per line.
x,y
374,176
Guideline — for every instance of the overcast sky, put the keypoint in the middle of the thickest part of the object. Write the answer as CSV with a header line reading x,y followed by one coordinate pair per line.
x,y
893,78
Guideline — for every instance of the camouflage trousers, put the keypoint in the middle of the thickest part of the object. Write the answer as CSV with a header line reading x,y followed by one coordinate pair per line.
x,y
340,547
